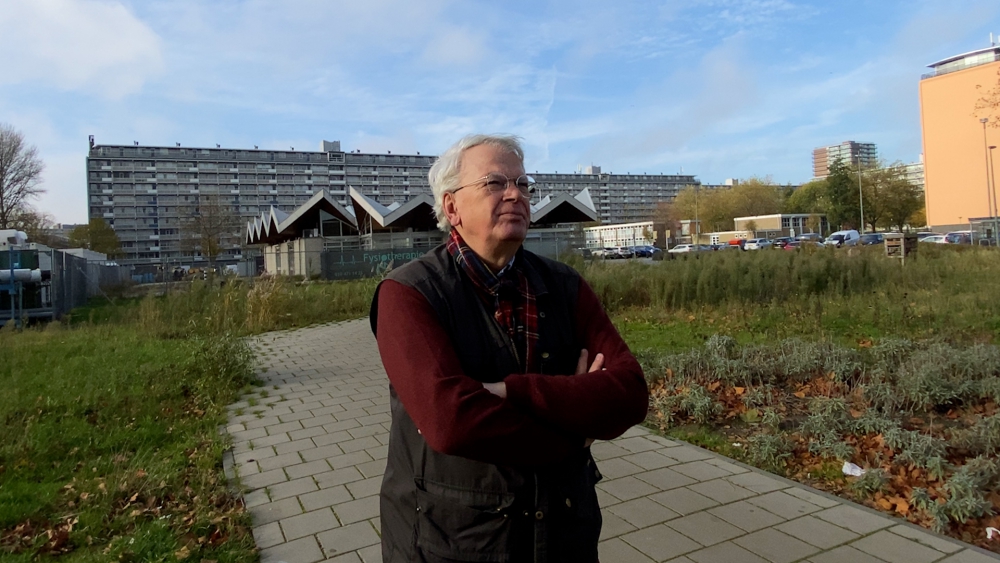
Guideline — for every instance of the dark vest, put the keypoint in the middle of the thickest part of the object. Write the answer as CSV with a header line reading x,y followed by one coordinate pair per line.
x,y
438,508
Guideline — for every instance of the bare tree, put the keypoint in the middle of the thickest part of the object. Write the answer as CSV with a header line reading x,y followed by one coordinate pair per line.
x,y
212,227
20,173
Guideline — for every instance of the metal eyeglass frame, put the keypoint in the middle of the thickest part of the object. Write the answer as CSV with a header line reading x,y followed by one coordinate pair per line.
x,y
496,175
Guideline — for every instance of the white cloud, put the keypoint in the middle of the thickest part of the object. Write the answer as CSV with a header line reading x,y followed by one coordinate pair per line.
x,y
93,46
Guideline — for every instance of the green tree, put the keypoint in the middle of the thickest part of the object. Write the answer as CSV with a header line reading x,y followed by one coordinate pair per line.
x,y
810,197
842,193
899,199
211,228
716,208
97,236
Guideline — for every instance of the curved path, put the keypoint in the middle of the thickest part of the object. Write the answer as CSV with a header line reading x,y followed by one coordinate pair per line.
x,y
310,445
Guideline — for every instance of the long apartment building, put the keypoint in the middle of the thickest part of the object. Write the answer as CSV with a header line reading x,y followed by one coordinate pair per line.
x,y
849,152
619,198
148,194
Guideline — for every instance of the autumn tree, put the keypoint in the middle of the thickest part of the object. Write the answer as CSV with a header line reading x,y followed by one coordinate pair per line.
x,y
98,236
900,201
211,227
810,197
20,174
716,208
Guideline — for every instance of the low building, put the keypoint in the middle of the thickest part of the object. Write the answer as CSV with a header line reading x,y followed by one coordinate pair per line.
x,y
323,238
782,224
646,233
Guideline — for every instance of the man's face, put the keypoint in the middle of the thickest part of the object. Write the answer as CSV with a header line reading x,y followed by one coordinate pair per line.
x,y
489,218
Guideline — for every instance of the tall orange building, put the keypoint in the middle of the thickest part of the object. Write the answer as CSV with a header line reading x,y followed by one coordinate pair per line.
x,y
956,173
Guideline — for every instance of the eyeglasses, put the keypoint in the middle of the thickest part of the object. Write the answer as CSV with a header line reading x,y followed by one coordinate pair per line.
x,y
497,183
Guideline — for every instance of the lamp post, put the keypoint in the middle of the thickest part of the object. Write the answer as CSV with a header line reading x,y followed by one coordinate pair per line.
x,y
861,194
993,180
989,200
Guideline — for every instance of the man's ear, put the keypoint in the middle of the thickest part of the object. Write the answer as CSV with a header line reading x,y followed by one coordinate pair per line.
x,y
451,209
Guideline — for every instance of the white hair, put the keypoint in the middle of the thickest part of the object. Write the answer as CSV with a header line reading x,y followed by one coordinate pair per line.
x,y
443,175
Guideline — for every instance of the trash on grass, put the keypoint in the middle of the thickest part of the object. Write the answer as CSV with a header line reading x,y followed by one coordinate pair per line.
x,y
991,532
852,470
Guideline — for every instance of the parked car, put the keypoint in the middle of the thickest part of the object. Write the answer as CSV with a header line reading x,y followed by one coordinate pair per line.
x,y
922,236
843,238
958,237
737,243
780,242
810,236
792,245
683,248
869,239
934,239
757,244
624,252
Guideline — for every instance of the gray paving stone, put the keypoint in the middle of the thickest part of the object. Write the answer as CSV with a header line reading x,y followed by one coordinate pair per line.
x,y
353,458
613,526
358,444
854,519
926,538
256,498
757,482
378,452
725,552
784,504
665,479
305,469
705,528
660,542
607,450
352,557
896,549
637,444
683,500
820,533
292,488
357,510
372,468
811,497
325,497
700,470
371,554
642,512
721,490
309,523
332,438
261,480
776,546
650,460
732,468
687,452
746,516
295,446
617,467
365,488
347,538
663,441
267,535
310,432
279,461
620,552
322,452
627,488
303,550
843,554
274,511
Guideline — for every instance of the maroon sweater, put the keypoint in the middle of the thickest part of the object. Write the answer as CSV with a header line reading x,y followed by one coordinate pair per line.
x,y
543,418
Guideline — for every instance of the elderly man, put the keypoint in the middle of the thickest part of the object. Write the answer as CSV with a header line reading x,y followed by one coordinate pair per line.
x,y
494,405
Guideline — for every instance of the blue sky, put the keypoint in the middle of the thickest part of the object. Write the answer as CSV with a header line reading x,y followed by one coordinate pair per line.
x,y
716,88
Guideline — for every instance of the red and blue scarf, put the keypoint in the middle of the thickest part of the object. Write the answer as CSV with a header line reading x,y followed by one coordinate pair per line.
x,y
509,295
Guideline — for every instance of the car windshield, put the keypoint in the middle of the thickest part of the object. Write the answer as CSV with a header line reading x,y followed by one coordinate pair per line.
x,y
837,238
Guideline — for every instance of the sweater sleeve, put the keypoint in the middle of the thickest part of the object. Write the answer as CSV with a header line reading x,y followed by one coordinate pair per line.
x,y
454,413
601,404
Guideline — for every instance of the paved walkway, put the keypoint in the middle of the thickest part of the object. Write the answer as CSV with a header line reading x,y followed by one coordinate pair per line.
x,y
310,449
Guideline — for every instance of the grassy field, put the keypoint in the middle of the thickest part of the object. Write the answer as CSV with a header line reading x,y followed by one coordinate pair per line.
x,y
116,454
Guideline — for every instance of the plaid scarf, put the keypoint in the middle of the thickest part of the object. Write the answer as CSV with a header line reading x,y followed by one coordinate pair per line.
x,y
509,295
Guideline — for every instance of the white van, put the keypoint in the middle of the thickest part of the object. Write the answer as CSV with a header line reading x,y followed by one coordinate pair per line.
x,y
843,238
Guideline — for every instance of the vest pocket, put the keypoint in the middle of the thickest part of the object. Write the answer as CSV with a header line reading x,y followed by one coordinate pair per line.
x,y
456,524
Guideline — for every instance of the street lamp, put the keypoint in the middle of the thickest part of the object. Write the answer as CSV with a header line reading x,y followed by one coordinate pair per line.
x,y
993,180
989,200
861,195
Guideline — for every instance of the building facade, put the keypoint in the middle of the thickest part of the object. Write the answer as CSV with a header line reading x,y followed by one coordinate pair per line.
x,y
849,152
958,184
618,198
149,194
914,173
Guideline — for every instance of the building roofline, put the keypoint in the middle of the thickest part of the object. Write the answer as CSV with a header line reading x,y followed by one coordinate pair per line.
x,y
963,55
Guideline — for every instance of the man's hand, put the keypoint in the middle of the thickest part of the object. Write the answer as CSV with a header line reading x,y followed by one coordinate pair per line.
x,y
581,364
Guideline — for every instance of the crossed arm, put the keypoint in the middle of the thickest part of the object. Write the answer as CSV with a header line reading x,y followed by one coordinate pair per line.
x,y
541,419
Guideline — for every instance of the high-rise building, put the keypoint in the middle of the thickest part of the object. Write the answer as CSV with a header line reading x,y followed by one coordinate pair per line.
x,y
619,198
914,172
849,152
957,140
149,194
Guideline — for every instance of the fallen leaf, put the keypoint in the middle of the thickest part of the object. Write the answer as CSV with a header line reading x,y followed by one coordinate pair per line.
x,y
884,504
800,394
182,553
902,507
714,386
739,390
